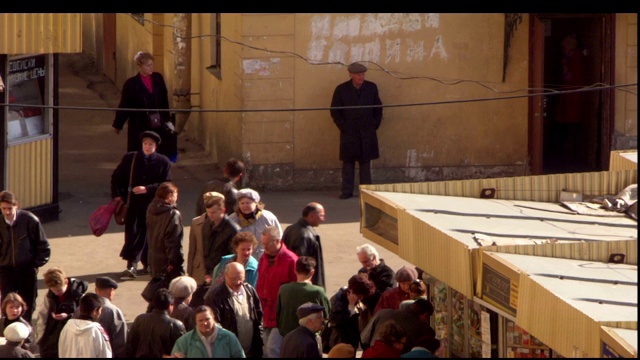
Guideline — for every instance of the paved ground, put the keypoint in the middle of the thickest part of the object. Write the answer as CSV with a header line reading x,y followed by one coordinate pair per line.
x,y
90,150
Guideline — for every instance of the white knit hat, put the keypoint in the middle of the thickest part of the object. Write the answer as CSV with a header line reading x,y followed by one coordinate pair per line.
x,y
16,332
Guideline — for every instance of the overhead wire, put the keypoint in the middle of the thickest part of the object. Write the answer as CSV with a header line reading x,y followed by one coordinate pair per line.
x,y
543,91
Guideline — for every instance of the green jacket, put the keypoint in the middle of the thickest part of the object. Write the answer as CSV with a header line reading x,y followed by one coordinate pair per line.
x,y
226,345
293,294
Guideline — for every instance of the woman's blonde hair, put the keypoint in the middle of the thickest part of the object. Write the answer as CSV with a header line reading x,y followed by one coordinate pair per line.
x,y
142,57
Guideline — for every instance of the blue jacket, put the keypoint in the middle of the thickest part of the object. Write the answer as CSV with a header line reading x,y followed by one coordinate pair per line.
x,y
418,353
250,270
226,345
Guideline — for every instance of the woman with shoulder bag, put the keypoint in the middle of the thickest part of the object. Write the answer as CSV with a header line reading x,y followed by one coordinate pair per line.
x,y
146,90
135,181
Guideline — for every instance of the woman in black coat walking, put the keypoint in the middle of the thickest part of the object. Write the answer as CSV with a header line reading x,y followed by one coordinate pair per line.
x,y
146,90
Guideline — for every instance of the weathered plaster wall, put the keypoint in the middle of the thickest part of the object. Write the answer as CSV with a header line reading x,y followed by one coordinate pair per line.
x,y
626,58
417,143
268,82
448,58
91,32
131,37
219,132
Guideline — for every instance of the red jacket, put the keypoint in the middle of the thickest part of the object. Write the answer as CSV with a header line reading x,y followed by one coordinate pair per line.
x,y
391,299
381,350
270,278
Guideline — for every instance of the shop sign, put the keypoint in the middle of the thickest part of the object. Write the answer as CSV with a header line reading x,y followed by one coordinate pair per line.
x,y
608,352
499,288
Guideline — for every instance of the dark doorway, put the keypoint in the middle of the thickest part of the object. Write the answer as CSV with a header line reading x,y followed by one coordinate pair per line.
x,y
109,45
575,127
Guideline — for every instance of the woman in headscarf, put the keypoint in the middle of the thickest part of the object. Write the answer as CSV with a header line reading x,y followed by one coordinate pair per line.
x,y
251,215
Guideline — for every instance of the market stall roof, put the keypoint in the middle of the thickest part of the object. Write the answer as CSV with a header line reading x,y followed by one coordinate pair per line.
x,y
606,292
439,226
483,222
623,159
626,339
573,298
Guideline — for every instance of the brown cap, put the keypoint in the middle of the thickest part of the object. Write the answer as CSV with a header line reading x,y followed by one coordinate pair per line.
x,y
356,68
406,274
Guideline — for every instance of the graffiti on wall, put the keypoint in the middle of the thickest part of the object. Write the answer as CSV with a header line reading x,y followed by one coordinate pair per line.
x,y
260,67
379,38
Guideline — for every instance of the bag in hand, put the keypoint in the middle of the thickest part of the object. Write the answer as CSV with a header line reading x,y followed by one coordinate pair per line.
x,y
120,212
100,219
154,285
154,120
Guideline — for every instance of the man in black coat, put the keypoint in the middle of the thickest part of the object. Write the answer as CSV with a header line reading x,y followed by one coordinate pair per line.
x,y
378,273
226,298
302,239
24,248
302,341
153,334
358,126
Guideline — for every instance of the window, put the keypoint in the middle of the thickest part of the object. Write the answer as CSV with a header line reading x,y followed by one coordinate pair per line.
x,y
215,67
28,84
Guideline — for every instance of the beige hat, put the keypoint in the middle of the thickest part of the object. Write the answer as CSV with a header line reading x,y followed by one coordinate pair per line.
x,y
182,286
16,332
248,193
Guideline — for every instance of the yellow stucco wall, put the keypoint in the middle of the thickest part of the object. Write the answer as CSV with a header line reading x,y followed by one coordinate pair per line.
x,y
282,61
131,37
40,33
626,106
441,49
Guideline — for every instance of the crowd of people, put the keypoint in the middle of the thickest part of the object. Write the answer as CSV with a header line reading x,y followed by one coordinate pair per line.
x,y
248,288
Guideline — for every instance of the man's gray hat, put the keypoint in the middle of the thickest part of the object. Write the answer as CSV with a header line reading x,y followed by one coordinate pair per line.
x,y
307,309
105,282
150,134
356,68
182,286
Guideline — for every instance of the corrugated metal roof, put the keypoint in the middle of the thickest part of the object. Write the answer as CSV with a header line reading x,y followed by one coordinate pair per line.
x,y
40,33
508,222
623,160
604,291
445,227
628,339
563,302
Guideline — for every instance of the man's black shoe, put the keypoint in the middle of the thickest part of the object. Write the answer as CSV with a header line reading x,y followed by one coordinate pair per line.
x,y
345,196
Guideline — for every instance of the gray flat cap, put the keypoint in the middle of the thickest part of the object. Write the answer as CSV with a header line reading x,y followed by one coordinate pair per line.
x,y
105,282
356,68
